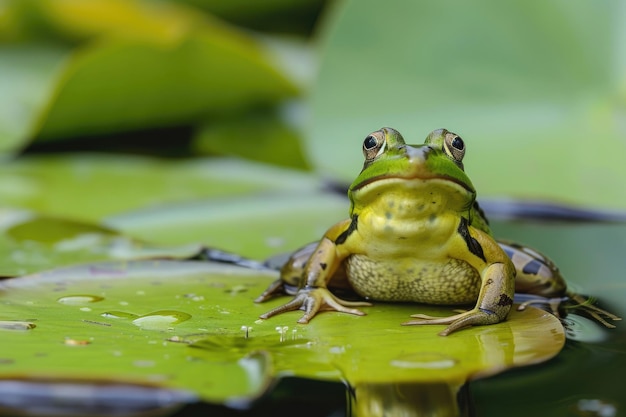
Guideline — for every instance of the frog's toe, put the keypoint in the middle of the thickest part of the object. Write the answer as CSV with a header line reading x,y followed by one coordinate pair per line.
x,y
276,288
292,305
314,300
456,322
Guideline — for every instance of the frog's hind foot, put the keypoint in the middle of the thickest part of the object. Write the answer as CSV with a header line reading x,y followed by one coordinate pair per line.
x,y
586,306
275,289
576,302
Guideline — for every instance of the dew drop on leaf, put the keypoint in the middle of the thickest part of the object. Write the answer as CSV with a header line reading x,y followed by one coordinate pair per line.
x,y
161,320
16,325
79,299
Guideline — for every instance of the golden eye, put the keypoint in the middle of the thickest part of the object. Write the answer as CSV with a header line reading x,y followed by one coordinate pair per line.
x,y
454,147
374,144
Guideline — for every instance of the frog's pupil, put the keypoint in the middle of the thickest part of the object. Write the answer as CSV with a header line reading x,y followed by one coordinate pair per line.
x,y
457,143
369,143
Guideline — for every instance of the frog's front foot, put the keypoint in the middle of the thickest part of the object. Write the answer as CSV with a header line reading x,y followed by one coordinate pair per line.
x,y
475,317
315,299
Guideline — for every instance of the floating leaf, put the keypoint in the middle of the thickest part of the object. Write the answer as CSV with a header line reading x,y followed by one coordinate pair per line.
x,y
30,243
89,187
193,327
255,226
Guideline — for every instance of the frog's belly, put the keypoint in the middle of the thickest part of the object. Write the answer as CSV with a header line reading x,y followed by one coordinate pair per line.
x,y
449,281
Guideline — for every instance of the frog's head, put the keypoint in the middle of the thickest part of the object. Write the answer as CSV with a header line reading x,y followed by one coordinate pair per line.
x,y
435,167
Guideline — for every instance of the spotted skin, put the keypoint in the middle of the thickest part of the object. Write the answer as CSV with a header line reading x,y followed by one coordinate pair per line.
x,y
410,280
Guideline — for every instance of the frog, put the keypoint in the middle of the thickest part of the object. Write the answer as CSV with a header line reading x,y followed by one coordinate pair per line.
x,y
415,234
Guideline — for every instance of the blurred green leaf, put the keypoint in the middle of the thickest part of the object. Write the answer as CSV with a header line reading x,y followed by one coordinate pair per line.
x,y
139,64
193,326
270,15
255,226
266,136
535,88
125,85
89,187
27,77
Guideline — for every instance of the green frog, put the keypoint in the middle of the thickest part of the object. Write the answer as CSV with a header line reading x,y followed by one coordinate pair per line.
x,y
415,234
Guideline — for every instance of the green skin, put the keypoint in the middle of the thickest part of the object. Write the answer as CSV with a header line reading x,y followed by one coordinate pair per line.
x,y
416,234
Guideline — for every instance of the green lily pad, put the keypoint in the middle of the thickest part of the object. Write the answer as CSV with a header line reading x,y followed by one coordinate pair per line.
x,y
256,226
30,243
532,86
193,327
105,185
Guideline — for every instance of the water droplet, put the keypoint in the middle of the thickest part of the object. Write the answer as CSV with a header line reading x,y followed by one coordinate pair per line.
x,y
16,325
337,349
423,360
81,299
144,363
161,320
76,342
85,309
115,314
237,289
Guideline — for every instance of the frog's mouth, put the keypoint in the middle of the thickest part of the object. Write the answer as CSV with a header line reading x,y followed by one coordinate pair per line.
x,y
422,177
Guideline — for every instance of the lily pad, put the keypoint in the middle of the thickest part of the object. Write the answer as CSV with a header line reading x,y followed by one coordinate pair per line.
x,y
100,185
30,243
256,226
192,327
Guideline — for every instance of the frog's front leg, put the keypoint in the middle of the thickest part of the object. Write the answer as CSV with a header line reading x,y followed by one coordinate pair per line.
x,y
496,293
314,296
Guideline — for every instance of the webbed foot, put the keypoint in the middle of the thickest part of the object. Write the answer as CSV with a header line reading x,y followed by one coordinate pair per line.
x,y
576,302
313,300
586,306
475,317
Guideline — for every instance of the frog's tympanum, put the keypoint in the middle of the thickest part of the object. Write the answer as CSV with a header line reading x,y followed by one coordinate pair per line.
x,y
415,234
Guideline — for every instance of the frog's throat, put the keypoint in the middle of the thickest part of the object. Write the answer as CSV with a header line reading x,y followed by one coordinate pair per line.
x,y
423,177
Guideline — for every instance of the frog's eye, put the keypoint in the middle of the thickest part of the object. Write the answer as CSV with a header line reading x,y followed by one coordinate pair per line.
x,y
373,145
369,143
454,147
